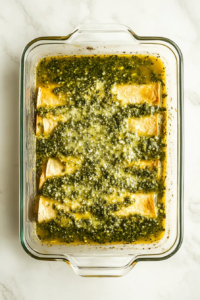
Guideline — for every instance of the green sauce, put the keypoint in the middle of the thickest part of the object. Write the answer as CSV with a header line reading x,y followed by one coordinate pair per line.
x,y
96,132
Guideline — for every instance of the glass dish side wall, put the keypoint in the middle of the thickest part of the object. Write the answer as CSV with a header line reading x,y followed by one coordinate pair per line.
x,y
87,40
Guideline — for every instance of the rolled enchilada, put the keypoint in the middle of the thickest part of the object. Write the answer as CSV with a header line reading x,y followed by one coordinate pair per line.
x,y
146,126
137,94
54,167
46,97
144,204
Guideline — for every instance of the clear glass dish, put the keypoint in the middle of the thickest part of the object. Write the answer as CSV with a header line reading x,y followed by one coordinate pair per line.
x,y
103,260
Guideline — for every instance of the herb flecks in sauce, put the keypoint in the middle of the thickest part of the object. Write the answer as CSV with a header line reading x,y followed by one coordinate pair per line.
x,y
96,132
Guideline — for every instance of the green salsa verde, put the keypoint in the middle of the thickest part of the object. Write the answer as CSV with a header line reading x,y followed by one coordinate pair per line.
x,y
95,132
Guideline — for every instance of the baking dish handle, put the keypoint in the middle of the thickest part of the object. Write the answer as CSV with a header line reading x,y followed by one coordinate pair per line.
x,y
101,266
113,33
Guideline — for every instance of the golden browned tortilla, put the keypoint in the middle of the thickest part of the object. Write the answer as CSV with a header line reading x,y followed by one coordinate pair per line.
x,y
137,94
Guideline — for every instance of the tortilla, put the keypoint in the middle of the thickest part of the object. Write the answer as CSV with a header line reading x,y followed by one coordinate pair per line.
x,y
53,167
144,205
46,97
47,211
145,126
138,93
47,125
150,164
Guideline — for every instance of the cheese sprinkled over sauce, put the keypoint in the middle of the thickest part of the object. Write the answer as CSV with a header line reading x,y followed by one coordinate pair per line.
x,y
100,130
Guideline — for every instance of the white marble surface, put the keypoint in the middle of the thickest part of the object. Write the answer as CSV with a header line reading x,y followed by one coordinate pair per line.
x,y
22,277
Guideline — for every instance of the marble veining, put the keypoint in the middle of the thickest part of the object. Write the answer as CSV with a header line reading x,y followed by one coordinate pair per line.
x,y
22,277
6,292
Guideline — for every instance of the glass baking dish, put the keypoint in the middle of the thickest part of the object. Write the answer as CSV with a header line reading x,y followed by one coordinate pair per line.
x,y
103,260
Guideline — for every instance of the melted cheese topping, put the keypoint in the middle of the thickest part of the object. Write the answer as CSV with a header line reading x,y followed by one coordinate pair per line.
x,y
99,137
